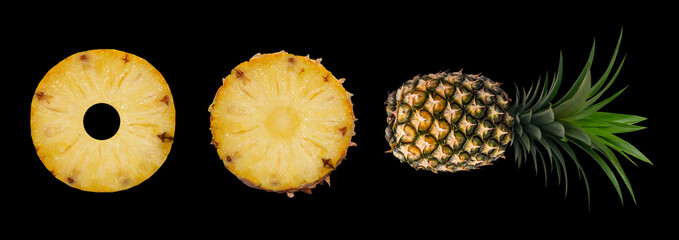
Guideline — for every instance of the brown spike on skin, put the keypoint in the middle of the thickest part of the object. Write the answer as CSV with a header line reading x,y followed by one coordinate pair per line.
x,y
41,96
343,130
327,163
239,73
327,180
165,100
165,137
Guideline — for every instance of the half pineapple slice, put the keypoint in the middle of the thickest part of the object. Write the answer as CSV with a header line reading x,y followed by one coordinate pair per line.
x,y
144,104
282,122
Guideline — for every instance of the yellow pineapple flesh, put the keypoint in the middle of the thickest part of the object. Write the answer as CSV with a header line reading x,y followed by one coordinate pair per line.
x,y
144,103
282,122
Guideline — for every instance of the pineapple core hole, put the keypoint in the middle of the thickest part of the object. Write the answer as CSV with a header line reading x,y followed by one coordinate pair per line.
x,y
282,122
101,121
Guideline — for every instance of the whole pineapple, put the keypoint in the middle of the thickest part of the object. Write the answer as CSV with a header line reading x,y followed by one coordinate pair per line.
x,y
454,121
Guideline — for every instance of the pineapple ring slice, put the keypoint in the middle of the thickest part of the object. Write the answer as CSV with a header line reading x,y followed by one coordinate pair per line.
x,y
282,122
143,101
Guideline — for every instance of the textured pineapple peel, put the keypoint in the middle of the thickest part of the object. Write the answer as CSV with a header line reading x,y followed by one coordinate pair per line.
x,y
143,101
282,122
448,121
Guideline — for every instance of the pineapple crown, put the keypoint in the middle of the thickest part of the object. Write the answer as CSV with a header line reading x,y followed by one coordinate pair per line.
x,y
542,125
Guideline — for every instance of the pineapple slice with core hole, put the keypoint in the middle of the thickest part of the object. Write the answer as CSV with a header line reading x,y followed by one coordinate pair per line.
x,y
143,101
282,122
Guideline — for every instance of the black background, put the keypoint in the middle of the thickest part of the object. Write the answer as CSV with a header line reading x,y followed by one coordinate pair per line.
x,y
375,48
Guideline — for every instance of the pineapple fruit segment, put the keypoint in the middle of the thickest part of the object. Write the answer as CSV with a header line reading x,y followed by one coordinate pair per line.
x,y
282,122
143,101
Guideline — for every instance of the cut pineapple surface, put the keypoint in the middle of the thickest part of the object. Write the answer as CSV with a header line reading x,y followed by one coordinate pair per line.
x,y
143,101
282,122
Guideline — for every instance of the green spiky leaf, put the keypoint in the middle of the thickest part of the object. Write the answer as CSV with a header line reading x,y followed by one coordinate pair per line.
x,y
561,166
555,128
533,131
574,104
622,146
543,125
604,166
617,117
577,85
606,126
556,82
576,133
601,81
544,116
594,108
596,94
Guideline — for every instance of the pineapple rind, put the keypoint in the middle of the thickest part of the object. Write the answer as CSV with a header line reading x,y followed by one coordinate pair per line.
x,y
142,99
281,122
448,122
